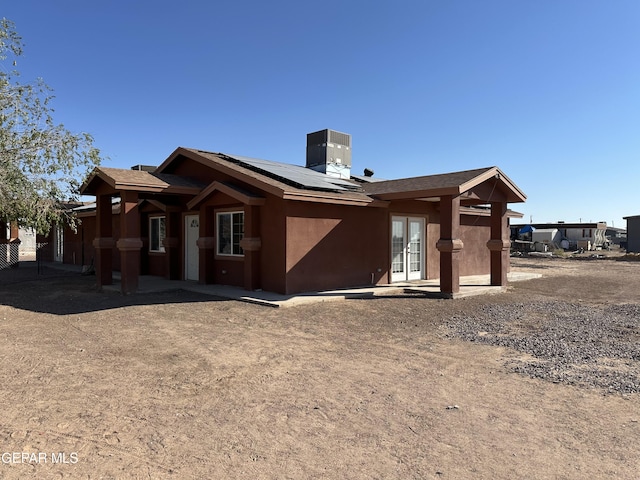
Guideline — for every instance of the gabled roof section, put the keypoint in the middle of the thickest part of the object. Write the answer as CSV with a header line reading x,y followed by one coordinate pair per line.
x,y
242,196
291,182
434,186
292,175
139,180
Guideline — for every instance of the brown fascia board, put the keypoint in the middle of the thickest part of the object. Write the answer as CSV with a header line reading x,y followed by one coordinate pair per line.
x,y
512,186
363,201
478,179
417,194
88,180
170,189
518,195
92,177
159,205
240,195
151,188
175,154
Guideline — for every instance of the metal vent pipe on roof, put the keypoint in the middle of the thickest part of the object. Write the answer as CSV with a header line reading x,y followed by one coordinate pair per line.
x,y
144,168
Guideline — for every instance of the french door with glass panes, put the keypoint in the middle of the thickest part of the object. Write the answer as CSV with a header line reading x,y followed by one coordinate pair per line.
x,y
407,248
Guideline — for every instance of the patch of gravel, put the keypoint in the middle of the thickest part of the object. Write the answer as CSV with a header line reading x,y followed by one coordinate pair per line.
x,y
571,343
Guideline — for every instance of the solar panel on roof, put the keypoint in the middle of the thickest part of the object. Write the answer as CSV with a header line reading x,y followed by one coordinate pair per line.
x,y
294,174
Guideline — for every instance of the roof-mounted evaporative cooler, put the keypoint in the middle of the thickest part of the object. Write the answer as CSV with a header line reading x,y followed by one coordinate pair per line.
x,y
329,152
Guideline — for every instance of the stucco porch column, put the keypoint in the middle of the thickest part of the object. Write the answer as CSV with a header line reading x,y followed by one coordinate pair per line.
x,y
449,244
129,243
499,244
207,245
173,225
103,241
251,245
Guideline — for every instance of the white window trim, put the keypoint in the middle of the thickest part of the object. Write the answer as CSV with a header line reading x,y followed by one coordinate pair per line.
x,y
230,213
161,248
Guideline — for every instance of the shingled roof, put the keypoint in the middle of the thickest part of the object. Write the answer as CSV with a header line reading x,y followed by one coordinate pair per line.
x,y
140,180
299,183
434,186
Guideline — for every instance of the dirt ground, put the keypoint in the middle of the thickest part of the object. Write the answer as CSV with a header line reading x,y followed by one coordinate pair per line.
x,y
178,385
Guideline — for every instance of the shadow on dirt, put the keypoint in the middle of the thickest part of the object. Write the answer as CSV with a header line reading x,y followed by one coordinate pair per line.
x,y
61,292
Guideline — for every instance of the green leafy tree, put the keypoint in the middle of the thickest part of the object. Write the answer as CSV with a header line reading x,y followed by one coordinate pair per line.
x,y
42,164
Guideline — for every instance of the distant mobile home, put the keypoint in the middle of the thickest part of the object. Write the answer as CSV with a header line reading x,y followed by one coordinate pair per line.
x,y
589,236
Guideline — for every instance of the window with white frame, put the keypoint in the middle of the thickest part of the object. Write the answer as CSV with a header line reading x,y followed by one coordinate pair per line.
x,y
156,234
230,232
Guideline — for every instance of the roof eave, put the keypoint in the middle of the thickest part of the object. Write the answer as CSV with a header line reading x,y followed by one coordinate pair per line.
x,y
334,199
242,196
415,194
89,186
515,195
86,187
169,189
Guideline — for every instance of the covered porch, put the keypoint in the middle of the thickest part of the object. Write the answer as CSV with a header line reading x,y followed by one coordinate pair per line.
x,y
165,193
173,199
486,188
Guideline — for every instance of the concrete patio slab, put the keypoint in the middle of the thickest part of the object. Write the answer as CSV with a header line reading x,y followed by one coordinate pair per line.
x,y
469,286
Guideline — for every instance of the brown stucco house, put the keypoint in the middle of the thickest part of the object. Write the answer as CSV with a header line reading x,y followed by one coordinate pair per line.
x,y
224,219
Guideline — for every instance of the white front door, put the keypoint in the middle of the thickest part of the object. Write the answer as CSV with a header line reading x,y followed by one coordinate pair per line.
x,y
407,248
191,252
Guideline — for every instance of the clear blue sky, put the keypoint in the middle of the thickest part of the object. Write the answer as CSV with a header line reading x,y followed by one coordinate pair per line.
x,y
547,90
